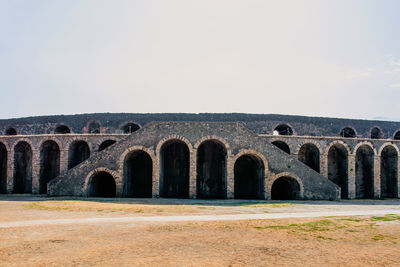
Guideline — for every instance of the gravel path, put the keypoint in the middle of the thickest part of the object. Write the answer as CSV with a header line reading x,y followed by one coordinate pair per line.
x,y
228,217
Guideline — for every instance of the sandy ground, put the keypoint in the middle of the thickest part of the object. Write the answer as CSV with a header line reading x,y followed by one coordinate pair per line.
x,y
330,241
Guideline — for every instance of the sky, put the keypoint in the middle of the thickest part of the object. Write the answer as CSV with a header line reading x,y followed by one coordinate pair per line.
x,y
330,58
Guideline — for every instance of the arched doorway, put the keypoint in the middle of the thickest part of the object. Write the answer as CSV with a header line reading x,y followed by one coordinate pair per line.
x,y
347,132
397,136
249,177
282,146
94,127
284,129
174,182
49,164
11,131
365,172
285,188
309,155
129,128
211,170
389,170
106,144
101,184
3,169
376,133
22,168
62,129
138,174
78,152
338,168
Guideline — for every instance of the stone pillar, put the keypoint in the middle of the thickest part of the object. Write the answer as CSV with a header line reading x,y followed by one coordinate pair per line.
x,y
10,171
35,171
230,179
398,176
192,174
63,160
377,176
352,176
156,177
323,165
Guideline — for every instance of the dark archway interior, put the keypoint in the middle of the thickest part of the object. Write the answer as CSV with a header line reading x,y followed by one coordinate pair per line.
x,y
78,152
62,129
11,131
309,155
175,169
364,172
282,146
285,188
3,169
249,177
347,132
138,175
211,170
106,144
389,161
284,129
22,168
397,135
102,184
49,164
130,128
376,133
94,127
338,168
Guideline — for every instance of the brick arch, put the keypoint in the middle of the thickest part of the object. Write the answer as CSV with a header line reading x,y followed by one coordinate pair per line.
x,y
337,142
211,138
118,130
253,153
6,145
364,143
172,137
382,133
63,124
114,174
270,181
50,139
394,133
76,139
132,149
284,141
93,121
299,146
17,141
388,144
286,123
99,141
351,127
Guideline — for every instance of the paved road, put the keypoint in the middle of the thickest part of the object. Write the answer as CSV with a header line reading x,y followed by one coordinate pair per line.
x,y
228,217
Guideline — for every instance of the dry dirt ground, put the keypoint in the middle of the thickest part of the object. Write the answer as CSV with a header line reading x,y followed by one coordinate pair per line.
x,y
321,241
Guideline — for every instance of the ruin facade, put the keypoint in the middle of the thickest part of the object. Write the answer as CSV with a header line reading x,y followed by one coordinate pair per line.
x,y
208,156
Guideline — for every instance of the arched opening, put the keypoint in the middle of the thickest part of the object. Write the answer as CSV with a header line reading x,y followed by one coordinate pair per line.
x,y
285,188
49,164
3,168
211,170
364,172
282,146
138,174
11,131
106,144
389,162
130,128
309,155
174,169
338,168
94,127
78,152
397,136
376,133
347,132
22,168
62,129
249,177
284,129
102,184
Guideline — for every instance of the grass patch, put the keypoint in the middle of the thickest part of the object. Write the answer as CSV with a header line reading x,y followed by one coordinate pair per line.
x,y
267,205
317,226
386,218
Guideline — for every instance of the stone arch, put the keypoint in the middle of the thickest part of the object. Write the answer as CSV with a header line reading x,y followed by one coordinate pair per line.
x,y
367,144
282,146
94,127
62,129
129,127
174,161
137,174
49,163
338,162
212,157
396,135
348,132
23,167
250,168
288,187
389,170
364,170
78,152
284,129
309,154
106,143
11,131
3,168
101,182
376,133
337,142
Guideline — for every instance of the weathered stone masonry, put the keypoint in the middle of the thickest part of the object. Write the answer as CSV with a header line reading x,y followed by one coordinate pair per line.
x,y
200,159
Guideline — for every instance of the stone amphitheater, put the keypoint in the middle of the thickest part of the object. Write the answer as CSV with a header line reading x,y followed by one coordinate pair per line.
x,y
208,156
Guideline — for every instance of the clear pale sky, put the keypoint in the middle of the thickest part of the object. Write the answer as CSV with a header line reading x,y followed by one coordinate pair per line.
x,y
338,58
